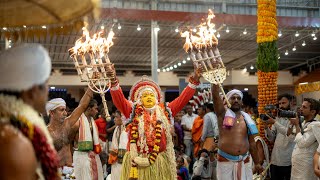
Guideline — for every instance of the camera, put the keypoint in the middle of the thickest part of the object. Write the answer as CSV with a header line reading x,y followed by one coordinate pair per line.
x,y
279,112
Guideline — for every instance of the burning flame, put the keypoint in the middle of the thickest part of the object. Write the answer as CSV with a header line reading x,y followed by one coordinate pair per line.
x,y
203,38
97,46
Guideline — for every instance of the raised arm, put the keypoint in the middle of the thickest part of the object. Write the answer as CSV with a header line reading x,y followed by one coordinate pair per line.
x,y
177,104
218,104
83,104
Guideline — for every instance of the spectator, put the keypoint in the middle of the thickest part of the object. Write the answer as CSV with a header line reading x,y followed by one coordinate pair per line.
x,y
182,171
187,123
205,166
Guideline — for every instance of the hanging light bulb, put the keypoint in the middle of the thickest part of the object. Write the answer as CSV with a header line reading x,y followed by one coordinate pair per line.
x,y
4,28
279,34
313,34
286,53
227,30
188,58
24,26
158,70
163,70
179,63
44,27
171,67
176,30
303,43
315,38
102,27
119,26
294,48
245,31
194,30
218,35
297,34
175,66
168,69
251,67
184,61
244,69
138,28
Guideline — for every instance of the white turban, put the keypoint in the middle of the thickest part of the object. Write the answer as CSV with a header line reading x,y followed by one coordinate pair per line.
x,y
24,66
234,91
54,103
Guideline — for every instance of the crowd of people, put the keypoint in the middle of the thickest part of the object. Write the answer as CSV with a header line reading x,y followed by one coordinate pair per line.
x,y
146,138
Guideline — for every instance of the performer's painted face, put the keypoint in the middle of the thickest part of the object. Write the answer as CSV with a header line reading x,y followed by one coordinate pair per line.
x,y
148,99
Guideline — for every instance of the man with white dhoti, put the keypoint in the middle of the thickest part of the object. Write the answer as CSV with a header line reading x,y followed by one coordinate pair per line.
x,y
87,164
306,142
118,147
236,138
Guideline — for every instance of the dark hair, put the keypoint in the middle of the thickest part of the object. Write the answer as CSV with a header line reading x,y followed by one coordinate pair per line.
x,y
210,106
118,112
201,151
92,103
314,104
286,95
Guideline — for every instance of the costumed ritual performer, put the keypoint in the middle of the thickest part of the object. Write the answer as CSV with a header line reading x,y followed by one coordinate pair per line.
x,y
150,152
27,151
236,141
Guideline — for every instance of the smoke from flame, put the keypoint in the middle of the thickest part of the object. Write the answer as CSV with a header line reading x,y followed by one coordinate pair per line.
x,y
204,37
97,46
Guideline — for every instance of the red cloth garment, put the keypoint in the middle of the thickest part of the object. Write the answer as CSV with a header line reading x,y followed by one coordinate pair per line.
x,y
101,124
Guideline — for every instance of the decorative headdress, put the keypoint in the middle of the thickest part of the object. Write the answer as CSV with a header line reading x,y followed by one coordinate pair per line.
x,y
144,84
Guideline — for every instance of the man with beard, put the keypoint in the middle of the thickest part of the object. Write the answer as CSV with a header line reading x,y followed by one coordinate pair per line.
x,y
283,145
60,126
236,130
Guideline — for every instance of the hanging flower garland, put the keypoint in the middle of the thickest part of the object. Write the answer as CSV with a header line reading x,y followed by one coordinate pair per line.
x,y
153,136
267,58
310,87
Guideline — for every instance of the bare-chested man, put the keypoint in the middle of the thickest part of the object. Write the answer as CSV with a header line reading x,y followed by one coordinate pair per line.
x,y
60,126
236,141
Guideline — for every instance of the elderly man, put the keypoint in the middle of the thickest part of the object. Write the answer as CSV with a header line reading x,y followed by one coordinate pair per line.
x,y
60,126
236,138
26,149
151,154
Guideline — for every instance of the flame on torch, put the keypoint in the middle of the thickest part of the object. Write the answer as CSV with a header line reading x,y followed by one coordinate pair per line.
x,y
204,37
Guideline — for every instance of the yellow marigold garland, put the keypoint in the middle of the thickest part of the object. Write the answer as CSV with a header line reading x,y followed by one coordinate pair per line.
x,y
267,21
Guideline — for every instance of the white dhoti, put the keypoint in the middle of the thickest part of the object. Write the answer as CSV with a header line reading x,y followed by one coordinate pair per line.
x,y
230,170
87,166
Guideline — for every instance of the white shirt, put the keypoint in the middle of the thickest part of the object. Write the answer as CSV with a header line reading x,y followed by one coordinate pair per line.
x,y
283,145
188,122
302,156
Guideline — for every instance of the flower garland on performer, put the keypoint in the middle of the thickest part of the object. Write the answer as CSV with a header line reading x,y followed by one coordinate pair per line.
x,y
154,135
28,121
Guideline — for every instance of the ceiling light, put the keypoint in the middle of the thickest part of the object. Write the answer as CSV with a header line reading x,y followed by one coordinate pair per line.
x,y
138,28
176,30
163,70
297,34
304,43
279,34
4,28
171,67
245,31
294,48
52,87
184,61
9,46
246,89
188,58
168,69
119,26
24,26
286,53
175,66
244,69
218,35
158,70
315,38
227,30
44,27
313,34
179,63
157,28
251,67
102,27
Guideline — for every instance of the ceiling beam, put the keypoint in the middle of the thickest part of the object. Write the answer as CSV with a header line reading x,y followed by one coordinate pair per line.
x,y
193,17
